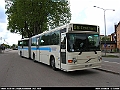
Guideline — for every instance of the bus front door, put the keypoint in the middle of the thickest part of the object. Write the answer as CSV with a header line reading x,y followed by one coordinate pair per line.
x,y
63,51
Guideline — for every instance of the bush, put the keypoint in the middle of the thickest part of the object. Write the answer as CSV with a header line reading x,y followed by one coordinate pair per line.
x,y
114,56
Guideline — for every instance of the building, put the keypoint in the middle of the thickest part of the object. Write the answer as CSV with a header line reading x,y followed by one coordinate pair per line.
x,y
111,44
114,43
113,37
101,36
118,36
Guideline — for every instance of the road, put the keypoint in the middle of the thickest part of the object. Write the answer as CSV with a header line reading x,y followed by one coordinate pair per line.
x,y
17,71
117,60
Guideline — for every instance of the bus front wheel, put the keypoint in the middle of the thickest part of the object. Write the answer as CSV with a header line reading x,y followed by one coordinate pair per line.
x,y
52,63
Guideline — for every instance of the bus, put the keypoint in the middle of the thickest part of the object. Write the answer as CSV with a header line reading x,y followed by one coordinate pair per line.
x,y
70,47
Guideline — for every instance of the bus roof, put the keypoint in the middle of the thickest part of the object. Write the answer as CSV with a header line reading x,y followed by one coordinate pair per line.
x,y
52,30
59,28
24,39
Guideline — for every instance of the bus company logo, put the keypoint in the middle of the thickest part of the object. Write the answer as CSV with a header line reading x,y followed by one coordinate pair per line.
x,y
88,56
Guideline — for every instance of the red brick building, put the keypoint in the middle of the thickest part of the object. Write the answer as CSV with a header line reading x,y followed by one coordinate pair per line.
x,y
111,45
118,36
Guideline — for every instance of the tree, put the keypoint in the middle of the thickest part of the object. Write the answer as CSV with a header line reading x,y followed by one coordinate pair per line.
x,y
103,39
31,17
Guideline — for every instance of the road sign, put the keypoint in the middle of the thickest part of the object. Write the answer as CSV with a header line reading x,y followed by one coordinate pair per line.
x,y
105,45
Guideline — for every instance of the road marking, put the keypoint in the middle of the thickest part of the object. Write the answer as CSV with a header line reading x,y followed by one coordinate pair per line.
x,y
111,62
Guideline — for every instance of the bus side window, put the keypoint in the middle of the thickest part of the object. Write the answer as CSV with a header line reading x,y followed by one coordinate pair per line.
x,y
33,43
41,41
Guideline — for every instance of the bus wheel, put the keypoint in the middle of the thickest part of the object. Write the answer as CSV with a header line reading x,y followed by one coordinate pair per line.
x,y
20,53
33,57
52,63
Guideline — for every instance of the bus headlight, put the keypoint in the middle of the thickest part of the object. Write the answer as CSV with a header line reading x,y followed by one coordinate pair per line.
x,y
74,60
99,58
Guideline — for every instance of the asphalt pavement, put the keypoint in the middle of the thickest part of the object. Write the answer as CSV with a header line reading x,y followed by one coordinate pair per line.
x,y
17,71
111,65
109,59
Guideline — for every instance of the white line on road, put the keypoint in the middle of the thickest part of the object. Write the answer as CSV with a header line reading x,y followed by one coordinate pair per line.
x,y
111,62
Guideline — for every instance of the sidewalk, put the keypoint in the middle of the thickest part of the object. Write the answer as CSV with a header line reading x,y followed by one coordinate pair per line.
x,y
110,67
115,54
6,50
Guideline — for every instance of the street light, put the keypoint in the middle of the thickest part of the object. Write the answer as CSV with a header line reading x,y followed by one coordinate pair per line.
x,y
1,39
104,22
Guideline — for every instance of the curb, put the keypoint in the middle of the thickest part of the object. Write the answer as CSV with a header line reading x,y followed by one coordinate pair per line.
x,y
110,71
8,50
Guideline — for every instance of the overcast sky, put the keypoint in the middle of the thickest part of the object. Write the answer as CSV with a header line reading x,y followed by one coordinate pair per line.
x,y
82,12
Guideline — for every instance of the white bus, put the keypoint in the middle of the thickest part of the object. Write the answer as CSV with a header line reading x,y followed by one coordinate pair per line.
x,y
69,48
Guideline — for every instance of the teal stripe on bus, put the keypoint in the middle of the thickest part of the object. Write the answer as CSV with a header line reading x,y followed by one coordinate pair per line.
x,y
41,48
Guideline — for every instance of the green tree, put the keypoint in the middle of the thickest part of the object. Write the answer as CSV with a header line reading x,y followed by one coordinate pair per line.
x,y
14,46
103,39
30,17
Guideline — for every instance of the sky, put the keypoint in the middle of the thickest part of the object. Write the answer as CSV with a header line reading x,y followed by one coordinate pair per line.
x,y
82,12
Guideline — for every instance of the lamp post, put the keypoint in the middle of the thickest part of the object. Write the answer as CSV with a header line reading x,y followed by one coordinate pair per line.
x,y
104,23
1,39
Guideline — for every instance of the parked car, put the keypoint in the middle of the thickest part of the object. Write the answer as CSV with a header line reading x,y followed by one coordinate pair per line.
x,y
15,48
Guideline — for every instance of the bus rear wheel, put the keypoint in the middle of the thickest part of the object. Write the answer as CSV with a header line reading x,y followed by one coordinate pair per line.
x,y
52,63
33,57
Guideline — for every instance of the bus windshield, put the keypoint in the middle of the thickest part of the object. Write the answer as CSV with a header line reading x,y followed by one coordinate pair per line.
x,y
83,42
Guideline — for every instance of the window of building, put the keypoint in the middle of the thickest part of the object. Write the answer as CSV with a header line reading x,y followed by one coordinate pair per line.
x,y
108,45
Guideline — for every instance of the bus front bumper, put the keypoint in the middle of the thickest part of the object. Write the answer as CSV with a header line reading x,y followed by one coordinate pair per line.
x,y
82,66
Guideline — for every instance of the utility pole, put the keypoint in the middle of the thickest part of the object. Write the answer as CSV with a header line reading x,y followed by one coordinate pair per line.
x,y
104,24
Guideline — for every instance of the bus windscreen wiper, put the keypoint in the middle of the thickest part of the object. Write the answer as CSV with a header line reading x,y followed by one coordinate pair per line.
x,y
95,51
80,52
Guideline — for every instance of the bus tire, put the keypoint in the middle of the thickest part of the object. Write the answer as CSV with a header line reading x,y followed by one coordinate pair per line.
x,y
33,57
20,54
52,63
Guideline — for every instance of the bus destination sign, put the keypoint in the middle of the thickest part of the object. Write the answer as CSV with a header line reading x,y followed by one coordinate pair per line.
x,y
81,27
